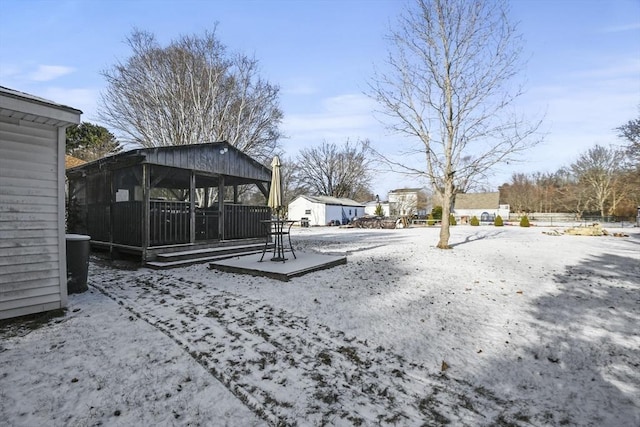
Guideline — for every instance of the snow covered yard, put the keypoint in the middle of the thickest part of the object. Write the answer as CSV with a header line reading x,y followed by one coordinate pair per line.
x,y
511,327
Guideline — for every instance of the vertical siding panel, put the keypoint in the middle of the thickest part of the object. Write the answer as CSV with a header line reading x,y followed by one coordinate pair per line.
x,y
62,241
38,147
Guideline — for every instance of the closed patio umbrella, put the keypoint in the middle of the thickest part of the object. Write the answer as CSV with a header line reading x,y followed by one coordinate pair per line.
x,y
275,191
275,203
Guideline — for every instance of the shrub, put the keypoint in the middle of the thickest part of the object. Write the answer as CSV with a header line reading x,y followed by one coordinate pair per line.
x,y
430,220
524,221
437,212
498,221
474,221
452,220
379,210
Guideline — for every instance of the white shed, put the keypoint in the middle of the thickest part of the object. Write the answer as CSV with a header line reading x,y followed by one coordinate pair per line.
x,y
322,210
32,203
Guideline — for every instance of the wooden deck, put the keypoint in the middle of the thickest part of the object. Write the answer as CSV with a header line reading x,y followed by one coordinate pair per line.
x,y
304,263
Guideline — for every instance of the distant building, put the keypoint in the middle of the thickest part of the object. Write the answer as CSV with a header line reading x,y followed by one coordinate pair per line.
x,y
484,206
408,201
72,162
324,210
370,208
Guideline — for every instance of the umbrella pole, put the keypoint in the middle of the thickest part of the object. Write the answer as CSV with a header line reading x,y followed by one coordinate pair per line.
x,y
279,252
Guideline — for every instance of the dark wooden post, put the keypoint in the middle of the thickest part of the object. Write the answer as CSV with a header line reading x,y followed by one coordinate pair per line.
x,y
111,183
192,207
221,217
146,208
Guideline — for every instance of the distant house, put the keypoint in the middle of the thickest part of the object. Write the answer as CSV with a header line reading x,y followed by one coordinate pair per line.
x,y
484,206
72,162
370,208
33,271
408,201
323,210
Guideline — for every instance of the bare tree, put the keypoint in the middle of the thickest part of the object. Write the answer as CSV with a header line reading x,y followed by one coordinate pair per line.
x,y
519,193
600,169
332,170
191,91
449,88
630,131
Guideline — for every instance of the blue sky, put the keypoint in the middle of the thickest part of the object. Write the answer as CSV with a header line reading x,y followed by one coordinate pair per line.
x,y
583,70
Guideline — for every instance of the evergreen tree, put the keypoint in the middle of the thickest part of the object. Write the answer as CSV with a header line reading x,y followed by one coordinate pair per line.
x,y
89,142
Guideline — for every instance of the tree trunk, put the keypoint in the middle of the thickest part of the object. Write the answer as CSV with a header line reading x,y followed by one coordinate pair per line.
x,y
447,197
443,243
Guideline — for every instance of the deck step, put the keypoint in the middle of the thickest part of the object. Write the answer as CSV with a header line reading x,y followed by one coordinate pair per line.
x,y
208,252
199,257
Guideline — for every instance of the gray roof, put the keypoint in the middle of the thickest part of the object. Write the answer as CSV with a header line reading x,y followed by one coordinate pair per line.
x,y
477,201
406,190
23,106
337,201
212,158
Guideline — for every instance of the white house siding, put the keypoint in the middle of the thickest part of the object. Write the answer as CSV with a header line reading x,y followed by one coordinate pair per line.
x,y
319,213
350,212
333,213
370,208
405,201
298,209
31,211
32,230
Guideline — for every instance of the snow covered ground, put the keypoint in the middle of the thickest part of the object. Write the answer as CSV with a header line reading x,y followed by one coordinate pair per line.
x,y
511,327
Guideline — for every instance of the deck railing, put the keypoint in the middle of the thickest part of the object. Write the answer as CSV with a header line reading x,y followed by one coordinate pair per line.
x,y
170,222
127,223
207,224
243,222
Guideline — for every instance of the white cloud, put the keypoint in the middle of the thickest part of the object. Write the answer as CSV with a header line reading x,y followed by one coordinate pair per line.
x,y
8,71
622,28
299,88
349,102
340,117
612,68
46,73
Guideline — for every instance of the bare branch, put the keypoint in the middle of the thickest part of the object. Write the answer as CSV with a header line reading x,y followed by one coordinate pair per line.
x,y
449,86
191,91
332,170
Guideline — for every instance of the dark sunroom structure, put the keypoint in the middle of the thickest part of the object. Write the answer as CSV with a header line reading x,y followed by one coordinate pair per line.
x,y
157,200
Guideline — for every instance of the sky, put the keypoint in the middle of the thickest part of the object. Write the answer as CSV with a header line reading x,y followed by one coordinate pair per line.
x,y
582,73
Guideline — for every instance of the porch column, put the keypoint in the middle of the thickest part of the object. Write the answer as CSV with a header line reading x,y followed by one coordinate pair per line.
x,y
192,207
221,218
112,205
235,194
146,208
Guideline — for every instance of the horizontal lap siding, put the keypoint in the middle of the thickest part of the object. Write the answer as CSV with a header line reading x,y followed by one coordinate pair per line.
x,y
29,219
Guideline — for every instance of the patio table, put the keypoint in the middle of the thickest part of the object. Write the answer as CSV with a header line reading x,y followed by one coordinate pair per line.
x,y
278,229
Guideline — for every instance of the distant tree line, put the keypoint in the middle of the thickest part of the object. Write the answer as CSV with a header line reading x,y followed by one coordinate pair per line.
x,y
602,181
